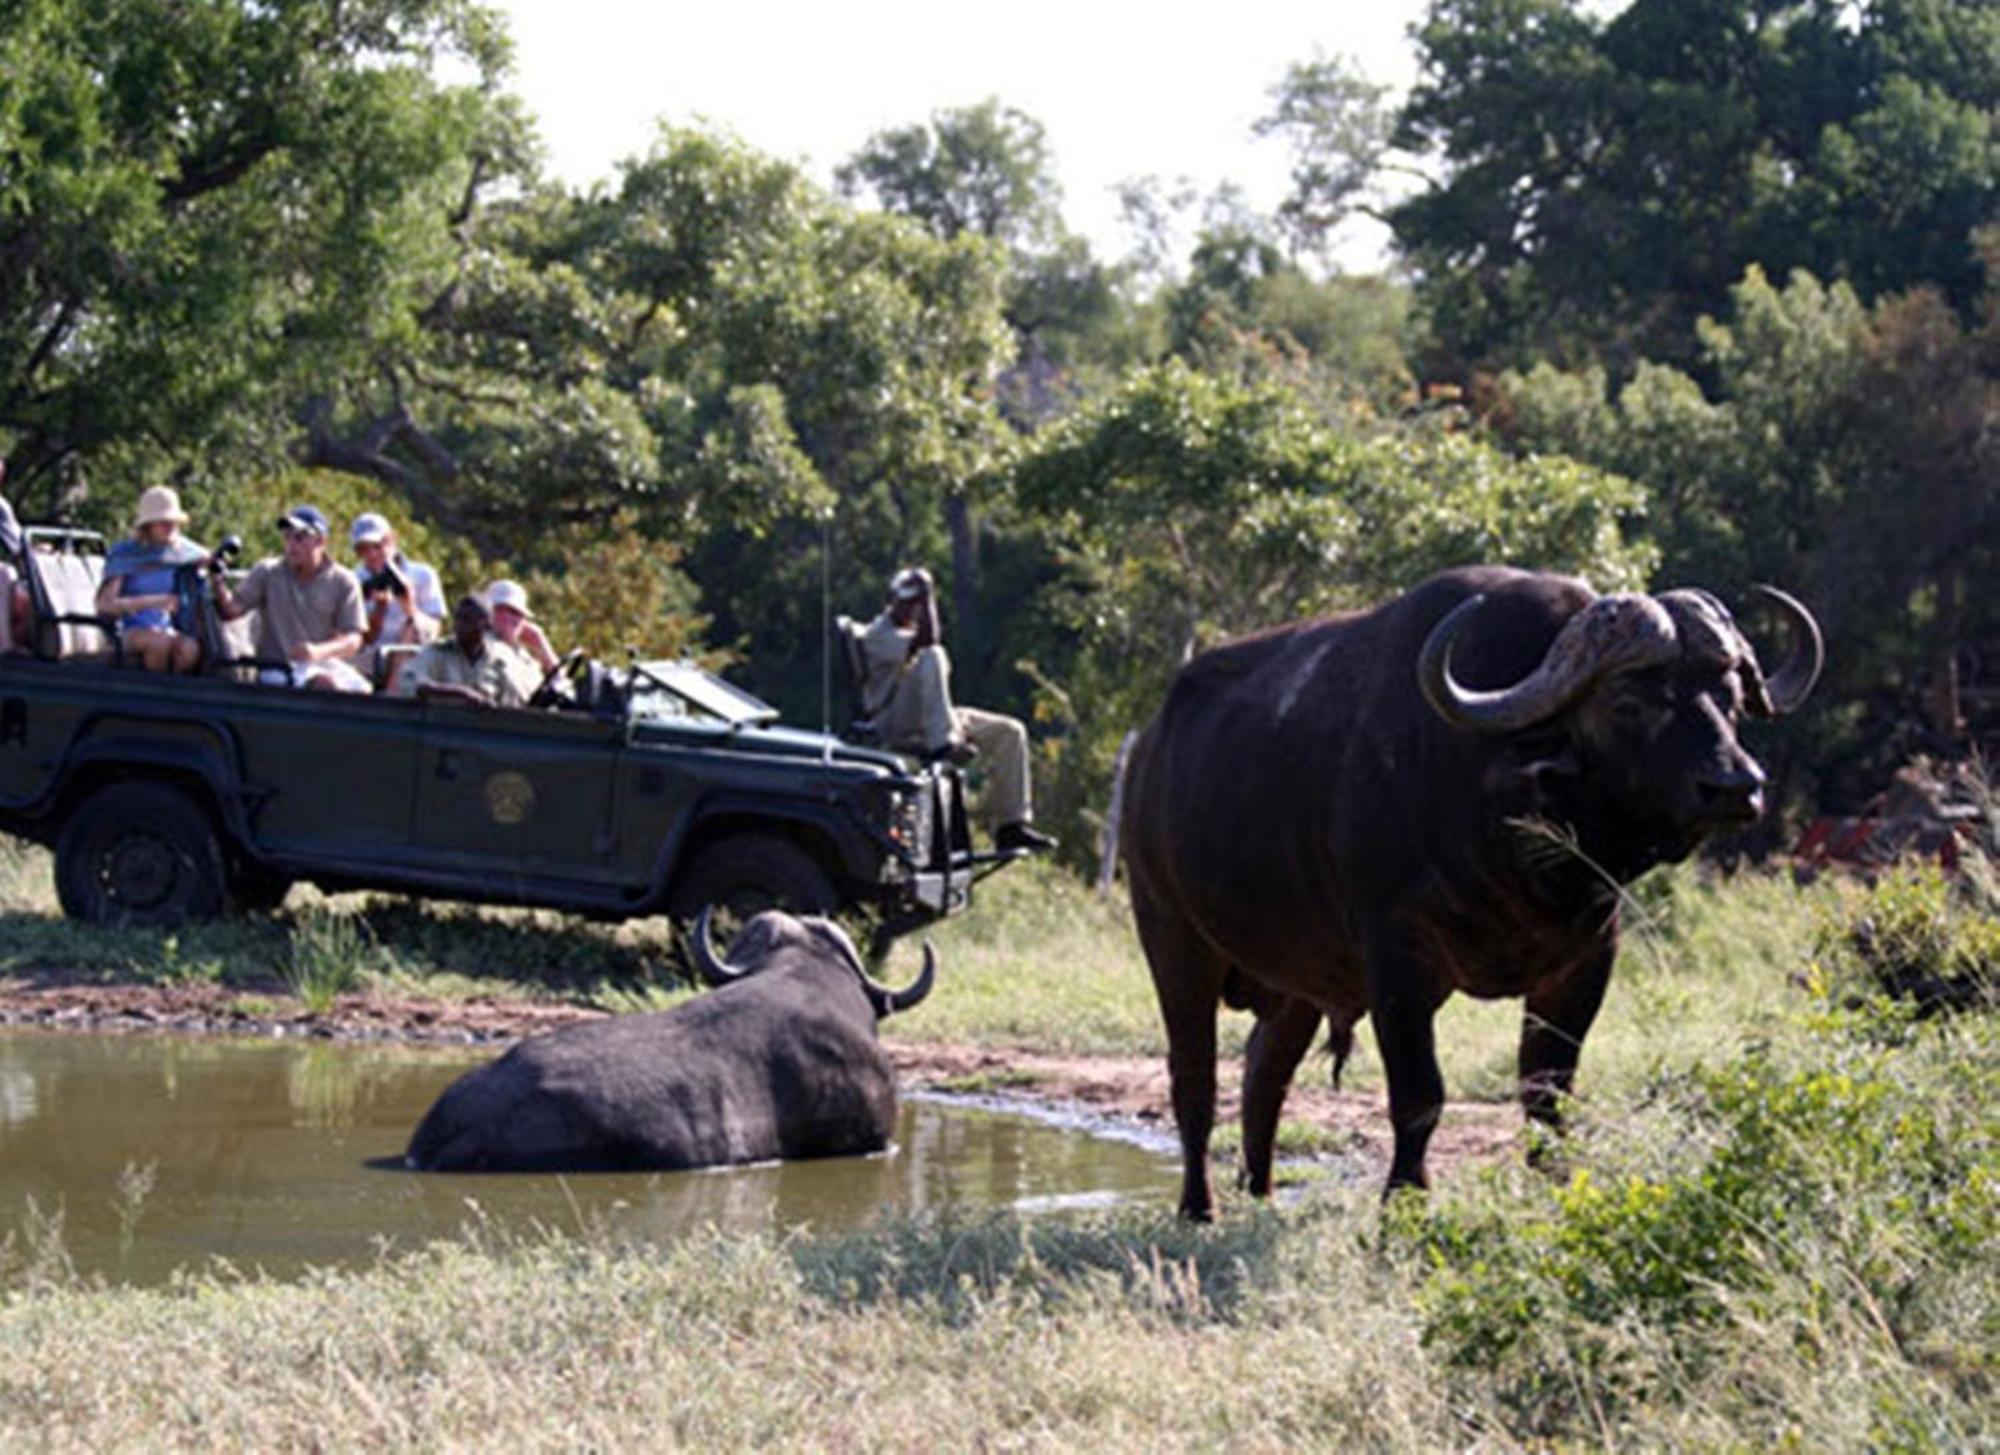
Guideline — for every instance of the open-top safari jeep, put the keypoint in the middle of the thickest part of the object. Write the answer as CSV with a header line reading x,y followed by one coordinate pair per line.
x,y
652,787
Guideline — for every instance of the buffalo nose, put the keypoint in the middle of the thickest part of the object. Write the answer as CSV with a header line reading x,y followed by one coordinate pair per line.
x,y
1734,793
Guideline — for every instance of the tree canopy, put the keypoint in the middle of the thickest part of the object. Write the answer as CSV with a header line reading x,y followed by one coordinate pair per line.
x,y
1604,183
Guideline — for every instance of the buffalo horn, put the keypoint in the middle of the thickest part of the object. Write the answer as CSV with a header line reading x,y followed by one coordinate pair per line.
x,y
1791,683
714,969
1619,630
886,1001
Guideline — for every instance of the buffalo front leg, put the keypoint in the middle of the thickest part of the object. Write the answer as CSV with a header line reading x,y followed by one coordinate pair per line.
x,y
1188,976
1401,1004
1553,1024
1279,1041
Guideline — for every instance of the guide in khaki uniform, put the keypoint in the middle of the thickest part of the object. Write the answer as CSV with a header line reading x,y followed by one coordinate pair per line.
x,y
469,666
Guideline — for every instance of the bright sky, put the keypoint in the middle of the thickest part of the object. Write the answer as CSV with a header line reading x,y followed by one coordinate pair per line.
x,y
1122,90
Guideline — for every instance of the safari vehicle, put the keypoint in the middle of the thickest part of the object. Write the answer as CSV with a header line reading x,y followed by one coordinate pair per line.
x,y
655,787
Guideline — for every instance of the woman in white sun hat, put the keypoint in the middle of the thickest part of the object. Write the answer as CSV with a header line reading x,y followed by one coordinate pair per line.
x,y
515,625
139,589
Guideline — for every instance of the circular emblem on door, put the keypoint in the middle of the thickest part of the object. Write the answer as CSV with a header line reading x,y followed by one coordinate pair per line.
x,y
510,797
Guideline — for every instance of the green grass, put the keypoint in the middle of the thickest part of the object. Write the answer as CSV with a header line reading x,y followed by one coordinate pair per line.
x,y
1777,1229
317,943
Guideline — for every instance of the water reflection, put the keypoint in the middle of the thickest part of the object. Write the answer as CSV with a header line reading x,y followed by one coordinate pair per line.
x,y
262,1154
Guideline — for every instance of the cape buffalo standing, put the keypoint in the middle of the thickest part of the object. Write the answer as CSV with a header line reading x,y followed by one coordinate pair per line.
x,y
1360,815
781,1061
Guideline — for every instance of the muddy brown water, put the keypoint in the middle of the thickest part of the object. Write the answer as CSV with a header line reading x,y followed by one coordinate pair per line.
x,y
158,1153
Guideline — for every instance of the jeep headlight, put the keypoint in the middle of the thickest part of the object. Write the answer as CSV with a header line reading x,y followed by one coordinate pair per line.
x,y
910,822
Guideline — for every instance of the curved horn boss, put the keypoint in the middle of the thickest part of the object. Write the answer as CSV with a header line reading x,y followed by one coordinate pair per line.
x,y
1612,631
714,969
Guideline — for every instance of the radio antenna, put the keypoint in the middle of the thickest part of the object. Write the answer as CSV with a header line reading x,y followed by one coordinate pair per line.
x,y
826,635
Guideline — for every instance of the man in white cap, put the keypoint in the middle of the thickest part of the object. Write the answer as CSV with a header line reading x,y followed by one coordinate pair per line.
x,y
308,608
404,599
515,625
906,691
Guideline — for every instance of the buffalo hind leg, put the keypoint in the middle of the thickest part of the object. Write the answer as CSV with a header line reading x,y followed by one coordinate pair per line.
x,y
1402,1004
1188,975
1553,1024
1279,1041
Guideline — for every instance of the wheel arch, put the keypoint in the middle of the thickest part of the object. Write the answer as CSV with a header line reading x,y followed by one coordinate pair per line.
x,y
811,836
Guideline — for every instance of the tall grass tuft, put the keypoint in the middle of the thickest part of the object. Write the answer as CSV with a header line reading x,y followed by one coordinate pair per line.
x,y
326,959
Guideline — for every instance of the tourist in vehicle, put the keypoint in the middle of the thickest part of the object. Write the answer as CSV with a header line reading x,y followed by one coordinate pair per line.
x,y
14,617
468,666
139,588
906,691
515,625
403,598
308,607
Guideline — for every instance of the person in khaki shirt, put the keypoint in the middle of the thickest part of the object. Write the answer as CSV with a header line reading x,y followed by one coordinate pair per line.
x,y
308,608
906,690
469,666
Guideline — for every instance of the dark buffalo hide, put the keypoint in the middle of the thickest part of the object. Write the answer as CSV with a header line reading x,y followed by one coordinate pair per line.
x,y
781,1062
1361,815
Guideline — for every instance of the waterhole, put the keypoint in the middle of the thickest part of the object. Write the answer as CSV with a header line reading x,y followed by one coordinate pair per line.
x,y
140,1155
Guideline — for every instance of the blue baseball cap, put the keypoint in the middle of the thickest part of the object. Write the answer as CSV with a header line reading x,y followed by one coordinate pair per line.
x,y
304,517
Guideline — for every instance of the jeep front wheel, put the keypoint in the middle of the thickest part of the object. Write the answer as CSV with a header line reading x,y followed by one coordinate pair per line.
x,y
747,873
139,854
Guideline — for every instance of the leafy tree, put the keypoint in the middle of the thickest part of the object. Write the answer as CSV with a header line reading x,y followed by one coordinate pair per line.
x,y
1844,451
1338,124
1189,508
981,169
1605,182
206,208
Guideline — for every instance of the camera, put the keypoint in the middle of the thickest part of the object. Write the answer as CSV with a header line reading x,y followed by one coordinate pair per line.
x,y
386,582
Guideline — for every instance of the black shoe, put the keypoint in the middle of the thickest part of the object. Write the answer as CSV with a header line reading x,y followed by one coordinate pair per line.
x,y
1022,838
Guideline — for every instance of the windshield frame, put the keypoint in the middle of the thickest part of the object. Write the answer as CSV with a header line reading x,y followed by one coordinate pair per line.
x,y
707,697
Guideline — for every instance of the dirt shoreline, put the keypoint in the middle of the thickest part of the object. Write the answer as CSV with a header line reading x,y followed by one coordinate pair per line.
x,y
1351,1127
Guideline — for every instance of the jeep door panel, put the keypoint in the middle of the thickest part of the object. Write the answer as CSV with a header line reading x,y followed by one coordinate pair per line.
x,y
520,793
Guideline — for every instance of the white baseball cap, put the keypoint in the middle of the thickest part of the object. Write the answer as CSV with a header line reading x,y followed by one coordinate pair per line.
x,y
368,527
508,593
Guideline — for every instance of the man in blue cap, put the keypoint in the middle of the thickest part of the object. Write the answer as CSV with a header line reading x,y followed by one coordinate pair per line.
x,y
308,608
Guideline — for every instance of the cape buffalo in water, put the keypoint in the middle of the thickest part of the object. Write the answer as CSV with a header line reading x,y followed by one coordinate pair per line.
x,y
781,1061
1360,815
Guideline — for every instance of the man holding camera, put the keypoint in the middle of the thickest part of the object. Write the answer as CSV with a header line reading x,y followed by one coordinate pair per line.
x,y
907,692
308,608
404,599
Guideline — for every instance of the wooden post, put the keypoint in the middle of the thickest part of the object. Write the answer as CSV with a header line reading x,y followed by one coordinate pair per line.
x,y
1107,866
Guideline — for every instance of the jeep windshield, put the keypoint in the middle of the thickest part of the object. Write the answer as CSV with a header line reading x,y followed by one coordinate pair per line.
x,y
680,691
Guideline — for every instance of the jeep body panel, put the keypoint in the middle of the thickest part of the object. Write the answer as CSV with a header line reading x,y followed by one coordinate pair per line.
x,y
527,806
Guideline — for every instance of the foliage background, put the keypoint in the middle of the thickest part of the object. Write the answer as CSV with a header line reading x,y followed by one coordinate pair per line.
x,y
1687,293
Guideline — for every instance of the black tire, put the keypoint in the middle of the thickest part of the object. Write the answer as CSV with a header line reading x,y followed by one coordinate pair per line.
x,y
140,854
746,873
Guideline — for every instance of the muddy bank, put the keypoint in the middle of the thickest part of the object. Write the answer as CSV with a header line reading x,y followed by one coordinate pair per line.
x,y
1129,1089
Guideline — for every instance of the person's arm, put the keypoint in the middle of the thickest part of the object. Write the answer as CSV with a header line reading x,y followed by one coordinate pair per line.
x,y
451,692
110,603
346,644
536,643
233,602
350,622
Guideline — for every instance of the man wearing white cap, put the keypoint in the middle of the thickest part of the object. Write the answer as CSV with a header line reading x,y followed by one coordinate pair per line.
x,y
404,598
906,691
517,629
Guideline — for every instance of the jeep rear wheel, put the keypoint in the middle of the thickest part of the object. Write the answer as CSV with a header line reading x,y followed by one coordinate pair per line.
x,y
139,854
743,875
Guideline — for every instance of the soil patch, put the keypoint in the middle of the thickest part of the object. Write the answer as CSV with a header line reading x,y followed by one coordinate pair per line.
x,y
1133,1090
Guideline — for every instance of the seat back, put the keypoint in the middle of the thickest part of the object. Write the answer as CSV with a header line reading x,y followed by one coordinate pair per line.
x,y
65,568
851,668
